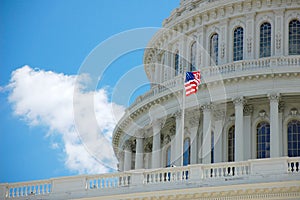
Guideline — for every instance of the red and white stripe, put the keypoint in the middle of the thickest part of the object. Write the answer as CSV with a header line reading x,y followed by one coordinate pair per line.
x,y
191,86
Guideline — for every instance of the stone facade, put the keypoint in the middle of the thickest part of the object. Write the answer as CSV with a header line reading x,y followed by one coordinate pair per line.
x,y
238,137
241,87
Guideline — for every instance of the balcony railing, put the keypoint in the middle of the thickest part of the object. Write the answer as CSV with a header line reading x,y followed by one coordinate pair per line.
x,y
218,173
29,189
221,72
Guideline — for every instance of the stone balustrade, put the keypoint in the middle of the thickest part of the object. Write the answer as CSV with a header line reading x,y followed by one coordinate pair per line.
x,y
236,69
293,165
103,181
28,189
138,180
225,170
170,174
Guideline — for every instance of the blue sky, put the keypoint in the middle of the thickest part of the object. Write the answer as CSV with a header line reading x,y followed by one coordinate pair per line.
x,y
53,38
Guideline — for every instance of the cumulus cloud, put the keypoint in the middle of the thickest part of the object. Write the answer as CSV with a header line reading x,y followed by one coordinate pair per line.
x,y
83,119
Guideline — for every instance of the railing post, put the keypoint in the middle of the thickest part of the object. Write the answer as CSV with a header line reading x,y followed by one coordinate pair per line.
x,y
3,191
73,185
137,178
196,173
269,166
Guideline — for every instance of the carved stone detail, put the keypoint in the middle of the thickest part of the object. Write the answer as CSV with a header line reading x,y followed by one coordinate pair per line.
x,y
178,114
248,109
222,50
128,145
148,147
172,130
274,97
219,114
281,106
207,107
278,40
294,112
249,44
239,101
262,114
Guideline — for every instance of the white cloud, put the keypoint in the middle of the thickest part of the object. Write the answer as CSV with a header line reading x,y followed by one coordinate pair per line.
x,y
45,98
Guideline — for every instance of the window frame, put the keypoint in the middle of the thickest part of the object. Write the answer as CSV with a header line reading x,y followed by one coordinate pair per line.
x,y
269,40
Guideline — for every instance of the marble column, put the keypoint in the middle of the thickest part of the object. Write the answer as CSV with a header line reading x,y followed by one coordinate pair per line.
x,y
248,109
206,142
239,129
218,136
121,161
194,124
127,157
156,148
274,126
139,155
179,140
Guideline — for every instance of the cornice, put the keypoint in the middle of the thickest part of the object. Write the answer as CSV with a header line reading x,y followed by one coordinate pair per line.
x,y
284,192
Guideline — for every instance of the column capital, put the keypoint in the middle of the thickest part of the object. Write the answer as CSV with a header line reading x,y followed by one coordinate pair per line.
x,y
139,133
127,145
279,12
158,123
250,16
239,101
121,155
207,107
178,114
274,97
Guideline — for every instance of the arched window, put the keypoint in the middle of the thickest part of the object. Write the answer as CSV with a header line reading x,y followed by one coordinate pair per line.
x,y
186,152
176,63
238,37
294,37
263,140
265,40
231,144
193,57
212,147
214,43
294,138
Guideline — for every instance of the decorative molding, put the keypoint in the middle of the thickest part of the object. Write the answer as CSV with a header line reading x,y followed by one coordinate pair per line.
x,y
249,44
248,109
219,114
274,97
278,40
207,107
262,114
294,112
177,114
128,145
239,101
222,50
157,123
281,106
139,133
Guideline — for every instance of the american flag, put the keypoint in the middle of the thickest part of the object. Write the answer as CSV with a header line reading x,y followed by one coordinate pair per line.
x,y
192,80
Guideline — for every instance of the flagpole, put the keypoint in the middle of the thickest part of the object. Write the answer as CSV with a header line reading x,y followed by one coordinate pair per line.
x,y
182,114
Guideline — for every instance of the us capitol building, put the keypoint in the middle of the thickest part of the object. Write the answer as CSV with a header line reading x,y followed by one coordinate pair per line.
x,y
238,137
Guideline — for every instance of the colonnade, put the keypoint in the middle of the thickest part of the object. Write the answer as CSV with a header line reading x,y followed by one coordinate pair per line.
x,y
202,153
